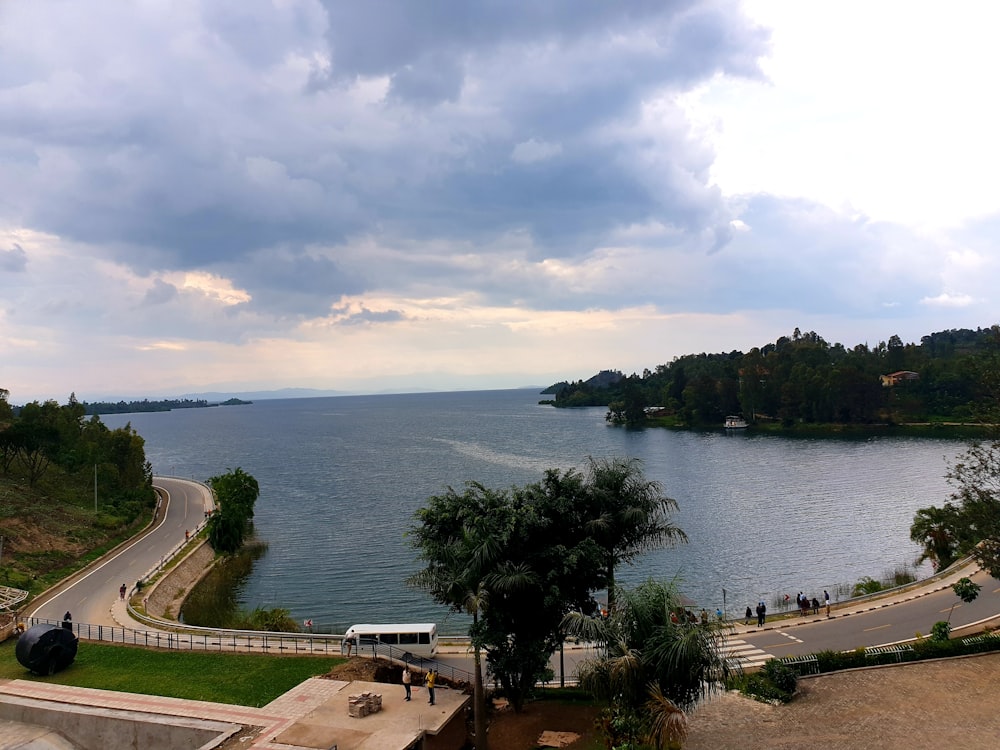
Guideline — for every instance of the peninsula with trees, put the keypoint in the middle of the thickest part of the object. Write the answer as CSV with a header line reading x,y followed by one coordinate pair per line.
x,y
802,380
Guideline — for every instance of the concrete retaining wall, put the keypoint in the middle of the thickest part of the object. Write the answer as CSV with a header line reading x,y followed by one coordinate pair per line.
x,y
113,729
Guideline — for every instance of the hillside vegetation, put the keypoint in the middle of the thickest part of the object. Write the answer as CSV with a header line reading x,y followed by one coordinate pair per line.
x,y
801,380
51,461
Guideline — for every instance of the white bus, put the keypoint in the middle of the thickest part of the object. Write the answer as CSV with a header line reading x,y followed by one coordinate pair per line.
x,y
418,639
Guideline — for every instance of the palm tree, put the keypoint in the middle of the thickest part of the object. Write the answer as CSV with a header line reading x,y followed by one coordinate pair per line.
x,y
631,514
652,669
934,528
461,562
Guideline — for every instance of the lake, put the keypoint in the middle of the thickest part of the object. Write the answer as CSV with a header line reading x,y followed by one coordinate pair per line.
x,y
341,477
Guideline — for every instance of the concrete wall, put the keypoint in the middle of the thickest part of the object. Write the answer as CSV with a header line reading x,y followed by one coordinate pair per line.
x,y
452,735
112,729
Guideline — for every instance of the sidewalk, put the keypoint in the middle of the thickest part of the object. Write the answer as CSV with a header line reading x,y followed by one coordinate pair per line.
x,y
784,620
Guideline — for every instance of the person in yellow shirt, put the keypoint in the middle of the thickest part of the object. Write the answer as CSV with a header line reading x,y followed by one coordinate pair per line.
x,y
429,682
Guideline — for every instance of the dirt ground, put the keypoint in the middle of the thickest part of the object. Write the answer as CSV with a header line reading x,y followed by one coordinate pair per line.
x,y
950,703
931,705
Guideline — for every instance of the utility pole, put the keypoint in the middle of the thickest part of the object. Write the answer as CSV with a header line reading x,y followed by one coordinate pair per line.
x,y
95,489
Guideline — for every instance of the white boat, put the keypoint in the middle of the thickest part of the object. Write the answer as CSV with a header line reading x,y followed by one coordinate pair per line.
x,y
736,423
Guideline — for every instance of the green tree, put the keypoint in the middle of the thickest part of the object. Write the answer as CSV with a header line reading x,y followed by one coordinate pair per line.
x,y
976,477
627,513
459,537
36,436
651,667
236,492
965,590
935,529
517,560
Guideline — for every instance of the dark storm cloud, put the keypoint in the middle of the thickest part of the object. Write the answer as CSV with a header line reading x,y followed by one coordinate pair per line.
x,y
201,135
284,281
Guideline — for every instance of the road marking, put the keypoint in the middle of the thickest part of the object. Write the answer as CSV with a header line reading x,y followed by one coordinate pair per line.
x,y
880,627
789,636
746,655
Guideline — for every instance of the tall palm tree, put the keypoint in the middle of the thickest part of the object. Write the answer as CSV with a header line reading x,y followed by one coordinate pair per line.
x,y
462,561
631,514
934,529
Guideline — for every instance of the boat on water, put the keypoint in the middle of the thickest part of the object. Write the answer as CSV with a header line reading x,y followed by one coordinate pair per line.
x,y
735,423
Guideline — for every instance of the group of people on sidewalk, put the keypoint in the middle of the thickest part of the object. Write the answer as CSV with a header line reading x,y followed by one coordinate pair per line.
x,y
803,603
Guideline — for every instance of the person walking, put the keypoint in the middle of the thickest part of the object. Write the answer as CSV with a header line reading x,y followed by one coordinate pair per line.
x,y
121,592
761,614
826,600
407,679
747,617
429,682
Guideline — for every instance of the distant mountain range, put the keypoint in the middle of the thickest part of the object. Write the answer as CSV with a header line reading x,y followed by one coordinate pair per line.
x,y
218,396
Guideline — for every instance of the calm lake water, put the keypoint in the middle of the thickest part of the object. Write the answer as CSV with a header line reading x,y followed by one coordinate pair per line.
x,y
341,477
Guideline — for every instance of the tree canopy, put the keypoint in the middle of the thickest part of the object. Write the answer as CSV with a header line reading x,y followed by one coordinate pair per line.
x,y
236,493
38,436
969,523
628,513
804,379
653,664
518,559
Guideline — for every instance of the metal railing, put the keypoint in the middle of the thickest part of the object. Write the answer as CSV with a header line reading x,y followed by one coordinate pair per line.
x,y
205,639
400,655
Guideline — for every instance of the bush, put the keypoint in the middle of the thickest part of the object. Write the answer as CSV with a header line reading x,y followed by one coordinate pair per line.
x,y
941,631
759,687
775,682
831,661
866,585
781,675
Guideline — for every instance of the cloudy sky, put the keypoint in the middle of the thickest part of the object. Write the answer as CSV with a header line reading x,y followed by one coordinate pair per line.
x,y
437,194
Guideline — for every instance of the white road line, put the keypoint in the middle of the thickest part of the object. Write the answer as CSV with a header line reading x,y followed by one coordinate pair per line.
x,y
743,653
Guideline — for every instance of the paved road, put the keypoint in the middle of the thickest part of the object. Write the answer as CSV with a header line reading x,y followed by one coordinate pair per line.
x,y
90,597
894,619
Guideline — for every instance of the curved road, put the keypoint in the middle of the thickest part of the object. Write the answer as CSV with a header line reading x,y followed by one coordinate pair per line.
x,y
893,619
90,596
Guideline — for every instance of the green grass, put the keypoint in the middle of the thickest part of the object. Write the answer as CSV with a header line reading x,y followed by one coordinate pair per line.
x,y
241,679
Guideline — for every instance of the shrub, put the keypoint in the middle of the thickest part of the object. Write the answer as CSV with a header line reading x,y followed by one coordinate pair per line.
x,y
775,682
941,631
900,576
781,675
867,585
831,661
759,687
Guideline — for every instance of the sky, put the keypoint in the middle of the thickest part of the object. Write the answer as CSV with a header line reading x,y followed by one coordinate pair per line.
x,y
242,195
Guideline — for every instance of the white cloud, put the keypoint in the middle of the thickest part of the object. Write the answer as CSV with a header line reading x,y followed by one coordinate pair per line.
x,y
874,107
946,299
267,194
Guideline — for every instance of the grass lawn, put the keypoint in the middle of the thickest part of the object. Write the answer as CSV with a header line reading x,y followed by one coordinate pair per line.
x,y
243,679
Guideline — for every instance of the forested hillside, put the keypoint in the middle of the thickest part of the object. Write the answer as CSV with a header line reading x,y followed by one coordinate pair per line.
x,y
67,485
802,379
